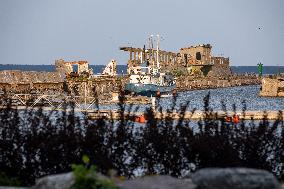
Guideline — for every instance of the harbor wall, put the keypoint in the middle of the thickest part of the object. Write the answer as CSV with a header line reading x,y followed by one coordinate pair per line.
x,y
190,83
64,81
272,87
102,88
221,67
46,83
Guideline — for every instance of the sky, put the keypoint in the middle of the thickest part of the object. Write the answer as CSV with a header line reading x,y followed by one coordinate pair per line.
x,y
41,31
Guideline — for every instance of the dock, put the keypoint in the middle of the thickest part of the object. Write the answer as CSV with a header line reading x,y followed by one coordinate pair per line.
x,y
197,115
175,115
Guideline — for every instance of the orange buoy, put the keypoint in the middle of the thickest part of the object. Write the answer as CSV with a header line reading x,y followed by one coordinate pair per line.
x,y
158,94
228,119
174,92
136,119
142,119
236,119
139,119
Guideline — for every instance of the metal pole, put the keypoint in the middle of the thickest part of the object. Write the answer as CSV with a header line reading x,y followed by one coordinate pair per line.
x,y
158,41
152,55
85,95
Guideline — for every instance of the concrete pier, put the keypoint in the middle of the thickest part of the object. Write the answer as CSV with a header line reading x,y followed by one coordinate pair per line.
x,y
197,115
188,115
190,83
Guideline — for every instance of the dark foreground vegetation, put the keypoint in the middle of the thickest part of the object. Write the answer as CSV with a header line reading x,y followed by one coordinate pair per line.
x,y
34,143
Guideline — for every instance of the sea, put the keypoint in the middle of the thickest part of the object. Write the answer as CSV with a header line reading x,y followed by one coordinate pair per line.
x,y
97,69
232,97
121,69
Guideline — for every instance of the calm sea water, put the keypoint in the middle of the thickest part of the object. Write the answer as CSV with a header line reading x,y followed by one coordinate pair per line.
x,y
230,96
50,68
254,69
233,95
122,68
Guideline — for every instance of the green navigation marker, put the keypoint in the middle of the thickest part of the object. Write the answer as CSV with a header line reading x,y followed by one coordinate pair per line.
x,y
260,68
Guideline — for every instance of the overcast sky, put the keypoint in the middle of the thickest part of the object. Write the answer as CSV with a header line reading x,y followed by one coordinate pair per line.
x,y
40,31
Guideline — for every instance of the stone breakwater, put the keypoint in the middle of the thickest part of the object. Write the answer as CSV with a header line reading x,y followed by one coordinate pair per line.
x,y
185,83
53,83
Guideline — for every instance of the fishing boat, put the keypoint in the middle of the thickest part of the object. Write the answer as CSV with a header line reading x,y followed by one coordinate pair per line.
x,y
147,79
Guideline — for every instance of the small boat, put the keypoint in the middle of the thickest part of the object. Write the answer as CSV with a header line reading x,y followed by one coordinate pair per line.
x,y
150,85
147,80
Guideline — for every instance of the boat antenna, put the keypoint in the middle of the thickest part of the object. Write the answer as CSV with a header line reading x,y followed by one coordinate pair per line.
x,y
144,53
141,57
149,43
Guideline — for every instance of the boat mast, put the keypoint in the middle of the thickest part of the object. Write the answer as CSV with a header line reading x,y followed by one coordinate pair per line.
x,y
152,54
144,53
158,43
150,44
141,57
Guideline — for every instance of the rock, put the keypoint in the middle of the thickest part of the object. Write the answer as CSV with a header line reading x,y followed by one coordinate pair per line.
x,y
12,187
59,181
157,182
208,178
234,178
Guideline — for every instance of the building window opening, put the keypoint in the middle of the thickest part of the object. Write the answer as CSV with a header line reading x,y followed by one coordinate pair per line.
x,y
198,56
75,68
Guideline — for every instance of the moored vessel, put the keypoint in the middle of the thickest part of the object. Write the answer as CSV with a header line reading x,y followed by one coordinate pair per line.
x,y
146,79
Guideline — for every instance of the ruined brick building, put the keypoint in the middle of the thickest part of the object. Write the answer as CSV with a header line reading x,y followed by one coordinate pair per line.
x,y
25,81
43,82
195,60
75,67
69,79
191,61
